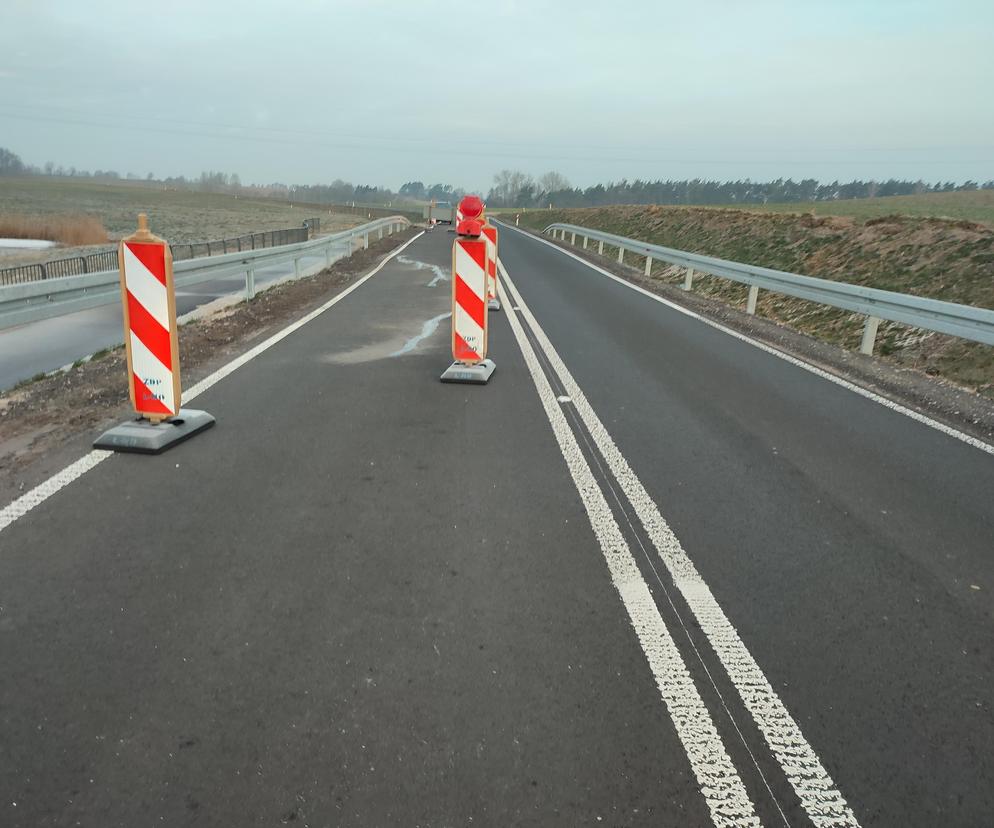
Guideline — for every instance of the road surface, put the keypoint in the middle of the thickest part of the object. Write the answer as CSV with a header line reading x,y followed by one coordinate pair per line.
x,y
650,575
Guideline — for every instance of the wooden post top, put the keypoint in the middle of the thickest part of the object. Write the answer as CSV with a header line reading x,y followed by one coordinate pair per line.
x,y
143,234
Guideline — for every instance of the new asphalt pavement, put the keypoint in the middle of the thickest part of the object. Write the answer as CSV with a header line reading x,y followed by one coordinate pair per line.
x,y
649,575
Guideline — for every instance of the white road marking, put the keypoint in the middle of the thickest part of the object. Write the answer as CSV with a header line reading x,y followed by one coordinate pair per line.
x,y
721,785
40,493
800,363
811,782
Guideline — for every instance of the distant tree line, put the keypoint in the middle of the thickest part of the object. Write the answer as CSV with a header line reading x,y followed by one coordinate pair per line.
x,y
513,188
211,181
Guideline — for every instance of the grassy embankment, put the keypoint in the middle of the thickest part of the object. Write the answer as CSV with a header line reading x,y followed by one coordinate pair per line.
x,y
937,258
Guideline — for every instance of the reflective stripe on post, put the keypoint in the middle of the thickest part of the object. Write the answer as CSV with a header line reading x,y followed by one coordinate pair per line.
x,y
150,331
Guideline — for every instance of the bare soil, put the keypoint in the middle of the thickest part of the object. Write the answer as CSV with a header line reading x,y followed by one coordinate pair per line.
x,y
45,422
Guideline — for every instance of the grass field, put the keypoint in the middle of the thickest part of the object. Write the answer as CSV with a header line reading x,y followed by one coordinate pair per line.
x,y
177,216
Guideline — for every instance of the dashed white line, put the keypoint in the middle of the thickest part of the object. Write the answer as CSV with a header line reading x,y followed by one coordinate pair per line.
x,y
40,493
814,787
720,783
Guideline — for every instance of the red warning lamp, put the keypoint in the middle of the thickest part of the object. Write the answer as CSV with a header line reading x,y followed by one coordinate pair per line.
x,y
470,216
471,207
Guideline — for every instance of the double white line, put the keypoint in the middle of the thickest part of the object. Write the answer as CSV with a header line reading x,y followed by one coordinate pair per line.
x,y
720,783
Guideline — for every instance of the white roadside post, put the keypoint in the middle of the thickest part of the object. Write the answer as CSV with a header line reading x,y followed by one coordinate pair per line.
x,y
250,283
688,279
869,335
751,301
600,248
572,238
365,241
585,239
621,254
648,265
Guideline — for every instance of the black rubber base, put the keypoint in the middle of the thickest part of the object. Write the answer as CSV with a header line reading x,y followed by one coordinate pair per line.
x,y
141,437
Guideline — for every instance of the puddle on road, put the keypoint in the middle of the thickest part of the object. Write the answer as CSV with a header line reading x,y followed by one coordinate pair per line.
x,y
441,274
394,344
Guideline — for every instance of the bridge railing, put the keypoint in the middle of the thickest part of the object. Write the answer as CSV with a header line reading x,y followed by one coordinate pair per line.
x,y
107,259
965,321
33,301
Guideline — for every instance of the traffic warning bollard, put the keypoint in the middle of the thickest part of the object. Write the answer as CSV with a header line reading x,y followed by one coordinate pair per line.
x,y
490,233
469,298
151,341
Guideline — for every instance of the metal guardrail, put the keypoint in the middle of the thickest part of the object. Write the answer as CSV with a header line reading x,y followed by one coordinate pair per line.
x,y
33,301
107,259
965,321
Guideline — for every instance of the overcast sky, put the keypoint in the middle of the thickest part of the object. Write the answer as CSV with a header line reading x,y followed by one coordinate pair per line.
x,y
378,92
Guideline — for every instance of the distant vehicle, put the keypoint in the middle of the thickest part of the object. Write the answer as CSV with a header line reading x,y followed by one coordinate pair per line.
x,y
441,211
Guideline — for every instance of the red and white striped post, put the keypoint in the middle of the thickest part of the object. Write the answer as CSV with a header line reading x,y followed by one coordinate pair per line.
x,y
469,298
490,233
150,331
151,340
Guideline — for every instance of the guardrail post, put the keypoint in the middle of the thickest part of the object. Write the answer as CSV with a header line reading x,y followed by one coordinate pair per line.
x,y
572,238
869,334
296,268
621,254
250,284
365,241
648,265
751,301
688,279
585,242
327,255
600,248
380,231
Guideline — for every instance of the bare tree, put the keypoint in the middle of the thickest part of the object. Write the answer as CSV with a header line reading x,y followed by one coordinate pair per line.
x,y
509,185
553,182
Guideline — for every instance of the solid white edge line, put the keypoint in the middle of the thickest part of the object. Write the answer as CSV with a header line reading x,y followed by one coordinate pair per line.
x,y
721,786
811,782
40,493
918,417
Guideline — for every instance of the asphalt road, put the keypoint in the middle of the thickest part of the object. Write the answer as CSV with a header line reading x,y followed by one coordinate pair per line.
x,y
50,344
649,575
